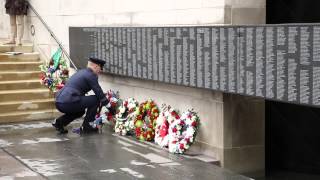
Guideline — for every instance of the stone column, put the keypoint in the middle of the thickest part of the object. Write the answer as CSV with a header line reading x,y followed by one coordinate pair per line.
x,y
244,134
4,22
244,117
245,12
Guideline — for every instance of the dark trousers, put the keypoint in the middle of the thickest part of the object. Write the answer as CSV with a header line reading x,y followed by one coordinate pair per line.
x,y
76,110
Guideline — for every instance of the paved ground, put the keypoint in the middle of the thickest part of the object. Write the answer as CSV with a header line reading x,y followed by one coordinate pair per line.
x,y
35,151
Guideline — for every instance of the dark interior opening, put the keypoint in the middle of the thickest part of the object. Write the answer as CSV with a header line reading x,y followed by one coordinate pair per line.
x,y
292,138
292,11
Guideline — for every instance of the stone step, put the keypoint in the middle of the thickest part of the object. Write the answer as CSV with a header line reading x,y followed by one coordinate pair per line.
x,y
20,66
25,57
25,95
33,127
26,106
23,75
25,116
20,84
25,48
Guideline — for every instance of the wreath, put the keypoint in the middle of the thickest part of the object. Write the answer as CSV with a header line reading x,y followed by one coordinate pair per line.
x,y
108,112
125,117
147,113
183,131
112,106
167,116
55,74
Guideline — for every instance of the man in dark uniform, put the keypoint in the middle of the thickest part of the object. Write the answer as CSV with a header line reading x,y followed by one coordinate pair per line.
x,y
71,99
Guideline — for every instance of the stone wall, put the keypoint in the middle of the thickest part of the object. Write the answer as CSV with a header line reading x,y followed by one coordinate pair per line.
x,y
208,103
4,22
244,134
232,126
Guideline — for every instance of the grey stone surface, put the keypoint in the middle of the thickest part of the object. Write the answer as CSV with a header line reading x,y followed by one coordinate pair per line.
x,y
246,159
244,134
244,117
245,12
100,156
248,15
11,168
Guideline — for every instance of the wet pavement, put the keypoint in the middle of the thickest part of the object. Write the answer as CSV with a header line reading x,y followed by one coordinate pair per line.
x,y
36,151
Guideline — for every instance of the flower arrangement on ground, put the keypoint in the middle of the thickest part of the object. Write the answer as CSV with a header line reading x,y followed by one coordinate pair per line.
x,y
183,131
107,113
112,106
125,117
145,122
167,116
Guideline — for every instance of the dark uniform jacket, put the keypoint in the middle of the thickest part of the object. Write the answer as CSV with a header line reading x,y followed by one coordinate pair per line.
x,y
78,85
16,7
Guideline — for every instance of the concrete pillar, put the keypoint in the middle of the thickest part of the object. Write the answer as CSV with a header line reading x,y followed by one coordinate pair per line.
x,y
245,11
244,117
244,134
4,22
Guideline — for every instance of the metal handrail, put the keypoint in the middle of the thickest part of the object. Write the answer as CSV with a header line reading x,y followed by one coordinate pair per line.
x,y
53,35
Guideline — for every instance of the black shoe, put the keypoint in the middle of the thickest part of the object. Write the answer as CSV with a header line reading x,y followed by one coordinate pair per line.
x,y
59,127
88,130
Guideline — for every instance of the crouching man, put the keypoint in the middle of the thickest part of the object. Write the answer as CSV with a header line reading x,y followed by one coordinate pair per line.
x,y
72,101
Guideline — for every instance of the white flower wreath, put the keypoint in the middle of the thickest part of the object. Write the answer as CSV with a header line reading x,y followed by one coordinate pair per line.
x,y
125,117
182,132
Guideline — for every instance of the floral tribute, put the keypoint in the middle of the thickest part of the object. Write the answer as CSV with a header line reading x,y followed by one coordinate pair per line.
x,y
98,122
108,112
55,74
125,117
113,105
101,118
145,122
167,116
182,132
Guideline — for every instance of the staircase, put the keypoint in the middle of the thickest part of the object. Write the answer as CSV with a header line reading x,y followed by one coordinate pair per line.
x,y
22,97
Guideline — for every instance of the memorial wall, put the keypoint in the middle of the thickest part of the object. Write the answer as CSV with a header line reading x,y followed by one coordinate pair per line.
x,y
277,62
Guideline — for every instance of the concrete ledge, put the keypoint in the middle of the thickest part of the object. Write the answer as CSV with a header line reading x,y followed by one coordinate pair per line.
x,y
25,57
203,148
245,160
26,48
20,66
27,75
24,84
30,105
25,116
24,95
